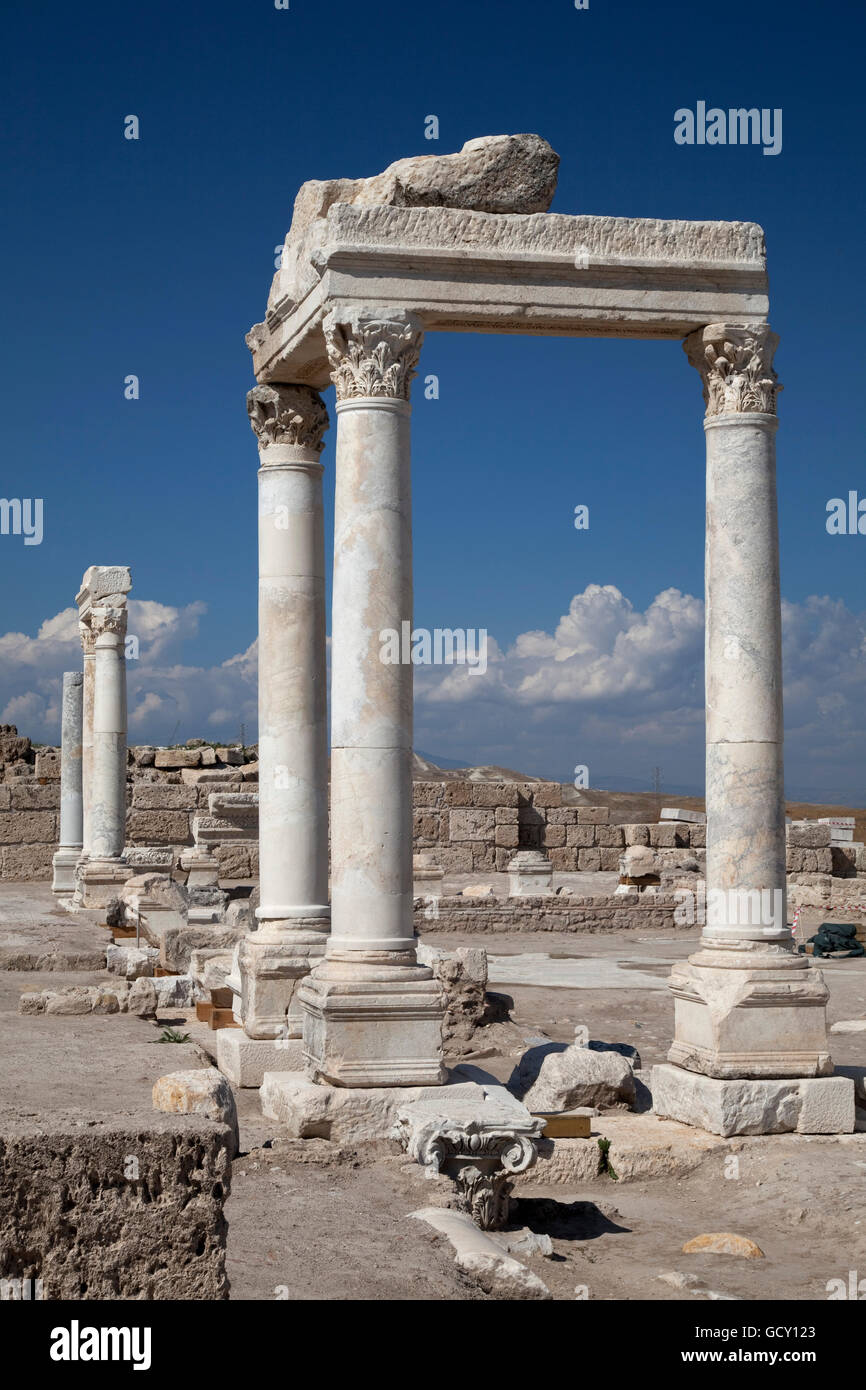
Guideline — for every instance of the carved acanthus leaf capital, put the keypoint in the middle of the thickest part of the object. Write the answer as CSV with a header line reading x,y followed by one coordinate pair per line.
x,y
373,353
88,638
113,620
284,414
736,367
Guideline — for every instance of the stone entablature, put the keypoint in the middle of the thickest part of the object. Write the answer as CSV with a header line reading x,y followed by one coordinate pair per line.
x,y
464,270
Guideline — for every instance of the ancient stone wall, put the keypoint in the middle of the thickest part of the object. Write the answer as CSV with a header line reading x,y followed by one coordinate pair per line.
x,y
473,827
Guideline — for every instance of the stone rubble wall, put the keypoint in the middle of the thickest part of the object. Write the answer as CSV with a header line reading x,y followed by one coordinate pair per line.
x,y
477,827
465,826
166,788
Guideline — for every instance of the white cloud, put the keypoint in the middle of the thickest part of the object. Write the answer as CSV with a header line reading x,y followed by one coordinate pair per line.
x,y
613,687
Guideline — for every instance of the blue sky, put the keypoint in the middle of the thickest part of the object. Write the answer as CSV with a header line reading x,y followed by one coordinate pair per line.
x,y
154,257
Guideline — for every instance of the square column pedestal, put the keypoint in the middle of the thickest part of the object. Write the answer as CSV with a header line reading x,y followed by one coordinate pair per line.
x,y
368,1025
267,969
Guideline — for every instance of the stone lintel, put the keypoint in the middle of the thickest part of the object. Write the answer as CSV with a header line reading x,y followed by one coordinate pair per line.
x,y
541,273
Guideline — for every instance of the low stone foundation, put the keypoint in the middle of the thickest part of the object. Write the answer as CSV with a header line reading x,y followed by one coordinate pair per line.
x,y
621,912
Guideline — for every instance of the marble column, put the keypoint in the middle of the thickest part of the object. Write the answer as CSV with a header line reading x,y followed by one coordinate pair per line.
x,y
103,614
372,1014
294,917
748,1006
88,643
71,815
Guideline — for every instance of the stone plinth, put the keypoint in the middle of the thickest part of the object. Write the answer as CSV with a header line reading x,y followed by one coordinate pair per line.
x,y
822,1105
246,1061
530,874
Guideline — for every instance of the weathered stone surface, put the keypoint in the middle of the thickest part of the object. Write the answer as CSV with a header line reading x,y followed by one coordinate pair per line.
x,y
28,827
593,815
130,962
343,1114
493,174
13,747
158,827
48,763
205,1092
26,862
177,757
807,835
482,1258
817,1105
160,796
555,1077
26,795
116,1211
143,999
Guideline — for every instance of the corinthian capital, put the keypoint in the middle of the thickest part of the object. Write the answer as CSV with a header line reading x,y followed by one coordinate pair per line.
x,y
373,353
103,619
88,638
281,414
736,367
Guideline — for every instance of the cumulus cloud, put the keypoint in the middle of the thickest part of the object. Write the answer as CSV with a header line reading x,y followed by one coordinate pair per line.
x,y
612,687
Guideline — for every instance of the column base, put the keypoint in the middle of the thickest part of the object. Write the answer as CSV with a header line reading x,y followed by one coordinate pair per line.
x,y
373,1024
64,864
244,1060
808,1105
100,880
750,1010
270,965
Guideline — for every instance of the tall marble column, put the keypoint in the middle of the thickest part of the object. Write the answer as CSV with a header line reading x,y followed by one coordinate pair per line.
x,y
748,1006
71,814
372,1014
88,645
294,917
103,614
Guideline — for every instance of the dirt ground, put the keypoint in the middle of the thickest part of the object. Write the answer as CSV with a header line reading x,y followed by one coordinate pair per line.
x,y
309,1220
